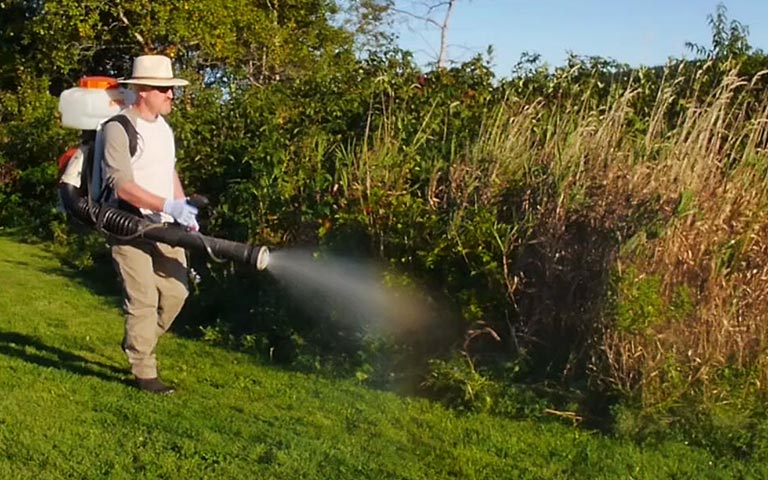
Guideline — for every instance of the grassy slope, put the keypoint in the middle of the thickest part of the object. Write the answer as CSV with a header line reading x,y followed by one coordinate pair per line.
x,y
67,412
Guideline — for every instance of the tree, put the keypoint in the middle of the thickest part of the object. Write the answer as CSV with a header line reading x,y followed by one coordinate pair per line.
x,y
370,21
729,38
255,42
426,12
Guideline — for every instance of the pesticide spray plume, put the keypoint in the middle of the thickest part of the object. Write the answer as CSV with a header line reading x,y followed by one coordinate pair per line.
x,y
122,224
350,292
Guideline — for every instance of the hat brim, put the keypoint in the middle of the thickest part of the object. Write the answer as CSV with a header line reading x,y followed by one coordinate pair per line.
x,y
155,82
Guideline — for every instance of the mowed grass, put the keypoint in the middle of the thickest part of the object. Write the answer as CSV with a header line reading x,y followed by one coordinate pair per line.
x,y
67,410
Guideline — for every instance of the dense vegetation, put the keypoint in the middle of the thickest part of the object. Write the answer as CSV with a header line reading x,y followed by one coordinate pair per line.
x,y
595,231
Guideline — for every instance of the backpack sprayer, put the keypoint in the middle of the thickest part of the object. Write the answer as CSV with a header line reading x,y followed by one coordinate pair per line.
x,y
86,107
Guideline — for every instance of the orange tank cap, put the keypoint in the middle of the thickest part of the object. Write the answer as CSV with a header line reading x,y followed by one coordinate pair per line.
x,y
102,83
65,158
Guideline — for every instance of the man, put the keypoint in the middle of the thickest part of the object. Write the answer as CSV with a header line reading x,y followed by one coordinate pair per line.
x,y
153,275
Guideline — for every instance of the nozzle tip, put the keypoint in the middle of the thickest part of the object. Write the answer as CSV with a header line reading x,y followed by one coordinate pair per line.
x,y
262,260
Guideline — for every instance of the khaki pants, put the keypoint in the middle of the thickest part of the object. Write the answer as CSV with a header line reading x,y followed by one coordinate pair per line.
x,y
154,278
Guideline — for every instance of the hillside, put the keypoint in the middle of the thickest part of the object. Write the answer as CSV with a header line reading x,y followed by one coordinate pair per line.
x,y
67,411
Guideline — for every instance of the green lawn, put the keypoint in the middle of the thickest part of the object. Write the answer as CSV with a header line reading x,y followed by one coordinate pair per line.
x,y
67,411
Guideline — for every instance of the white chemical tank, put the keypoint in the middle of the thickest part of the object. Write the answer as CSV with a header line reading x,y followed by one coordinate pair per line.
x,y
94,100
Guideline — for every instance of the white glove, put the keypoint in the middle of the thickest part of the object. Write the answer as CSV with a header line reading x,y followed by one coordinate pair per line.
x,y
181,211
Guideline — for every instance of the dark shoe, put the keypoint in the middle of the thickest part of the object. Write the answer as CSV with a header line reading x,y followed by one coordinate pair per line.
x,y
154,385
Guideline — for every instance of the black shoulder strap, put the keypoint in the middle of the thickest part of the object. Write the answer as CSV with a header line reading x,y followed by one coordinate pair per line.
x,y
133,140
130,130
86,148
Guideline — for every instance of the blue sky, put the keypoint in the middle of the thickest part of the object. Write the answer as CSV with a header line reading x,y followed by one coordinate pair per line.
x,y
637,32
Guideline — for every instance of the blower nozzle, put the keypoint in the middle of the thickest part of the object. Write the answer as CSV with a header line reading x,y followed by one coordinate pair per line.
x,y
125,225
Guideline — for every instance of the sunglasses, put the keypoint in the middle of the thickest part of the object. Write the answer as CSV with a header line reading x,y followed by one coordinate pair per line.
x,y
162,89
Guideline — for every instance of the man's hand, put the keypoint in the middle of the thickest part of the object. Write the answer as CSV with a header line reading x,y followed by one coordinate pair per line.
x,y
180,210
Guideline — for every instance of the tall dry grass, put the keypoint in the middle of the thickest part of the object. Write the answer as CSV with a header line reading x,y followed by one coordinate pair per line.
x,y
567,201
712,164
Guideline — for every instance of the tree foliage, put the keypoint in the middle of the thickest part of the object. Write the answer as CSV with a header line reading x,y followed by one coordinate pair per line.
x,y
730,38
257,42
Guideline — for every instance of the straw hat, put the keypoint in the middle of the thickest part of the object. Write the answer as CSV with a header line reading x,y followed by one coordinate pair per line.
x,y
155,71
